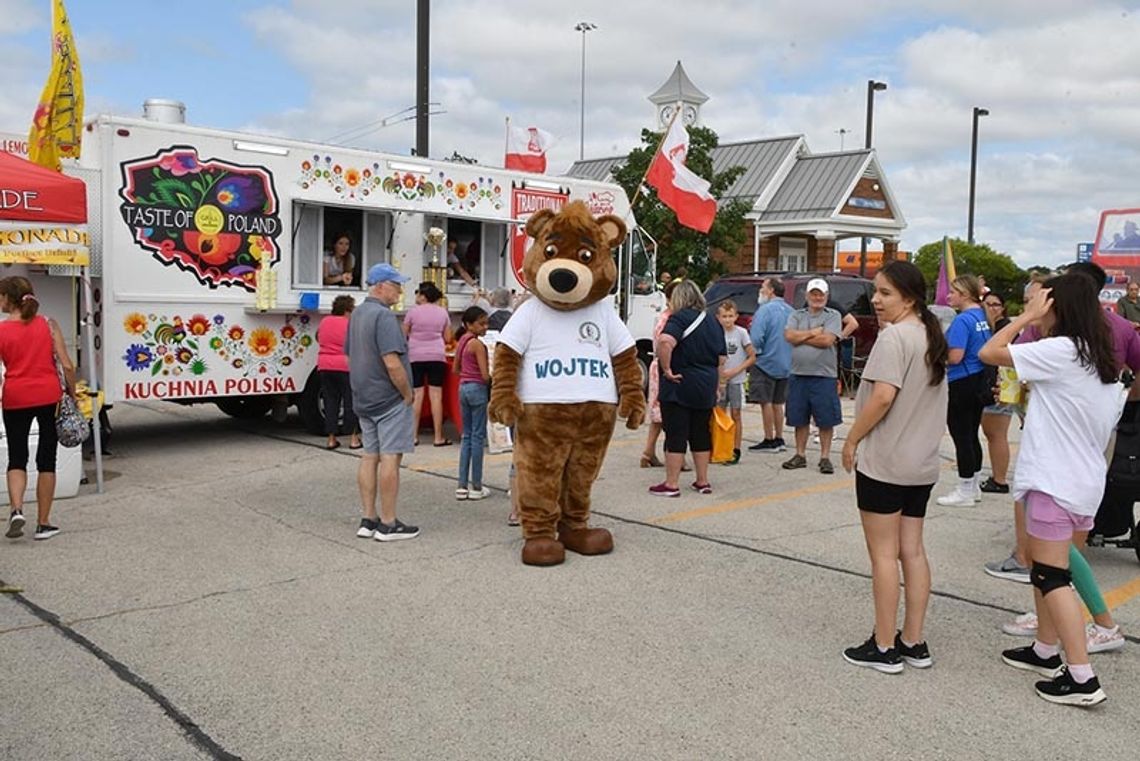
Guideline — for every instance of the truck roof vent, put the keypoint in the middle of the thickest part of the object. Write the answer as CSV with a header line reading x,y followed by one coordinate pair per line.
x,y
165,111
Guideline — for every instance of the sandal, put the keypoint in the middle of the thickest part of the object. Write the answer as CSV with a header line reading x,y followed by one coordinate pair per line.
x,y
650,461
334,445
513,519
444,443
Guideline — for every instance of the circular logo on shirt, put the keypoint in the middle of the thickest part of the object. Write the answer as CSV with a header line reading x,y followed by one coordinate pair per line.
x,y
589,331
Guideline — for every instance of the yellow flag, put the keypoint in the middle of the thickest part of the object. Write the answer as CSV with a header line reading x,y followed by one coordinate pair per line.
x,y
951,270
57,127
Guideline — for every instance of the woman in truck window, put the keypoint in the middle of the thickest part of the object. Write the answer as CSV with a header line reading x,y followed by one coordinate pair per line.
x,y
340,264
30,346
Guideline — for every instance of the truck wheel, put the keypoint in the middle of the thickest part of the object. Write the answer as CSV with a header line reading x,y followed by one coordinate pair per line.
x,y
643,360
311,406
245,407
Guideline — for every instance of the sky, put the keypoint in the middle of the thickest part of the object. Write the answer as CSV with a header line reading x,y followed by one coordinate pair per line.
x,y
1061,80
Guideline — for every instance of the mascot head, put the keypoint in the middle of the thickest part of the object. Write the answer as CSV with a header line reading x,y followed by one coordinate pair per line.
x,y
570,265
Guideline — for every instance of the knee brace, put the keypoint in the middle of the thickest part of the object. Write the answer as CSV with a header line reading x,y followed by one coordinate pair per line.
x,y
1047,577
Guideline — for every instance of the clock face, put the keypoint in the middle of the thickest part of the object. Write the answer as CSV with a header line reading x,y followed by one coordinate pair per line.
x,y
667,114
689,115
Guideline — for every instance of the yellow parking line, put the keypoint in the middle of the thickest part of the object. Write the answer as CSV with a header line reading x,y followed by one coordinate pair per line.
x,y
744,504
1122,594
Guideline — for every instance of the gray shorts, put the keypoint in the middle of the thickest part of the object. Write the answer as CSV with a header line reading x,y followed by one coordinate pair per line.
x,y
390,432
733,397
769,390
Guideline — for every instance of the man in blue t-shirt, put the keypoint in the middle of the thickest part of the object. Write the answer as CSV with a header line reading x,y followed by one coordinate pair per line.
x,y
768,384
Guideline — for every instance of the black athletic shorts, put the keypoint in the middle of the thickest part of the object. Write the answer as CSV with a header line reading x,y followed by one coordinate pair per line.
x,y
883,498
432,372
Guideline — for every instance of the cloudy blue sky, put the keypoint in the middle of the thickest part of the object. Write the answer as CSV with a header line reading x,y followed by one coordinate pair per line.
x,y
1060,78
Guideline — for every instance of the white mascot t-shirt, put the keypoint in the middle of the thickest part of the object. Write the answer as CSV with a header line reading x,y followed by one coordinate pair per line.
x,y
566,356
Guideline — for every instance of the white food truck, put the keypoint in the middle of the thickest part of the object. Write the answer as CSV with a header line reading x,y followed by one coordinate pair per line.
x,y
207,251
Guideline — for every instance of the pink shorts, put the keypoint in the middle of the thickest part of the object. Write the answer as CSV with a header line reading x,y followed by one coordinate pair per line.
x,y
1046,520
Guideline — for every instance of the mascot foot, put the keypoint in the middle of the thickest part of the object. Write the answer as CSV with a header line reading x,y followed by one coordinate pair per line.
x,y
542,551
586,541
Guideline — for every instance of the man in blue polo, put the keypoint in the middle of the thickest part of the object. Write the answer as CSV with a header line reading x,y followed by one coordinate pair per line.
x,y
380,375
812,392
769,382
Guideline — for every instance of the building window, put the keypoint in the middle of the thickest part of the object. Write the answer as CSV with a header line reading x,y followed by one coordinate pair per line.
x,y
316,231
793,255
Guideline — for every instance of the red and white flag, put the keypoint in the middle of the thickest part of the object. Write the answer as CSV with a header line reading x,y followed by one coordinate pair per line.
x,y
526,149
686,193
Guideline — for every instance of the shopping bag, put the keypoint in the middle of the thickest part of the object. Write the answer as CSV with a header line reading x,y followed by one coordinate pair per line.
x,y
498,438
723,435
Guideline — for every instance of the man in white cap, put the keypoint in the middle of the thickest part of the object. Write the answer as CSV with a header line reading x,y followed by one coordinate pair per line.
x,y
812,391
380,374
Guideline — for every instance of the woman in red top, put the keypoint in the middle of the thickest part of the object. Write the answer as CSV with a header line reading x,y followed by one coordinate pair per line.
x,y
332,366
29,348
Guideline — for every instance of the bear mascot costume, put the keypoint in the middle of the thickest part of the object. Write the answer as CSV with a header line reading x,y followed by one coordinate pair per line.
x,y
565,368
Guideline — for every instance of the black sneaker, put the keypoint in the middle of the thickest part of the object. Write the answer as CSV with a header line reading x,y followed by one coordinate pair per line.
x,y
796,462
1067,691
991,486
45,531
1027,659
735,458
367,528
767,445
781,446
869,656
917,655
15,525
395,532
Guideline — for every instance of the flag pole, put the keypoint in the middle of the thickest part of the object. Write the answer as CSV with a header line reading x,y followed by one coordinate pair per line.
x,y
506,142
660,143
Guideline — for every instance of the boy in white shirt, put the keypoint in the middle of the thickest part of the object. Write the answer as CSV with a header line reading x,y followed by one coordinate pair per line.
x,y
741,356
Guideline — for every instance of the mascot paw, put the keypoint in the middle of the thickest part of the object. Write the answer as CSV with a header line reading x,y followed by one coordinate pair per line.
x,y
634,420
586,541
507,411
631,410
542,551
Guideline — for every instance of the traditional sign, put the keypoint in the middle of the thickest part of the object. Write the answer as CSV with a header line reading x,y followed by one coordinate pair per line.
x,y
524,202
212,218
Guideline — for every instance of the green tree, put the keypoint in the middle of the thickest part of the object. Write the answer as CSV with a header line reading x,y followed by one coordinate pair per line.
x,y
1000,271
679,246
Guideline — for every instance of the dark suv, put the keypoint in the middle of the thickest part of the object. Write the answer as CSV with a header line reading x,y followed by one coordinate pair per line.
x,y
850,292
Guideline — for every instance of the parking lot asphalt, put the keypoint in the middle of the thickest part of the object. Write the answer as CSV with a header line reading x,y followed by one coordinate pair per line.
x,y
214,602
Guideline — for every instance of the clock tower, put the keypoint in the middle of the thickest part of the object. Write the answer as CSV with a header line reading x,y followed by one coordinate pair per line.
x,y
678,92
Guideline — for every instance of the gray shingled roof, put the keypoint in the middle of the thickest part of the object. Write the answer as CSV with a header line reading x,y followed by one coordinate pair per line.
x,y
678,87
815,186
760,159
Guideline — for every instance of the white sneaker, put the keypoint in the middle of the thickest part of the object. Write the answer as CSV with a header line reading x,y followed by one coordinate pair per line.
x,y
462,494
1102,640
479,493
957,499
1024,625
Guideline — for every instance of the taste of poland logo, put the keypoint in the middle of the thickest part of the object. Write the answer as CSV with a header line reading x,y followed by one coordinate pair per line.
x,y
214,219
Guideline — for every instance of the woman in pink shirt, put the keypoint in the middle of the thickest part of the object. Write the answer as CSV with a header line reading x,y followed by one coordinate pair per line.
x,y
473,368
29,348
427,326
332,365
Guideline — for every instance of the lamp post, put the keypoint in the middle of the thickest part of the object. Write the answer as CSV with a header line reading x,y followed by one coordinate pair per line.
x,y
978,113
583,27
872,88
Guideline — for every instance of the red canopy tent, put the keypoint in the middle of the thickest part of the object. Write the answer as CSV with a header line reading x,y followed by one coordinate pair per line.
x,y
43,222
31,193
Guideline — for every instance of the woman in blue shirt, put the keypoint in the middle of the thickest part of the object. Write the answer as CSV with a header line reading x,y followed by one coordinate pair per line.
x,y
969,391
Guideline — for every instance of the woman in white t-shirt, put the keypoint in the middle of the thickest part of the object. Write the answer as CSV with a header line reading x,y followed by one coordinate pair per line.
x,y
900,411
1060,471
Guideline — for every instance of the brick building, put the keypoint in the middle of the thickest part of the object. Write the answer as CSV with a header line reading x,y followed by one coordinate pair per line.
x,y
802,203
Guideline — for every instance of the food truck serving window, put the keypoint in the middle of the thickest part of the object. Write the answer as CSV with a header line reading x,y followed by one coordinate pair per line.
x,y
333,246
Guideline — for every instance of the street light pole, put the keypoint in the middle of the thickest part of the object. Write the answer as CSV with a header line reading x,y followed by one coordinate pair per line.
x,y
872,88
583,27
978,113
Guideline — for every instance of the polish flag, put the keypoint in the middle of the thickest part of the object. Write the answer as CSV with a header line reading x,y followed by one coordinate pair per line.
x,y
526,149
686,193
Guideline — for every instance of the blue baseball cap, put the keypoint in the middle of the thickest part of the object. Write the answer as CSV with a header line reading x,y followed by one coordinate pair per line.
x,y
379,273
